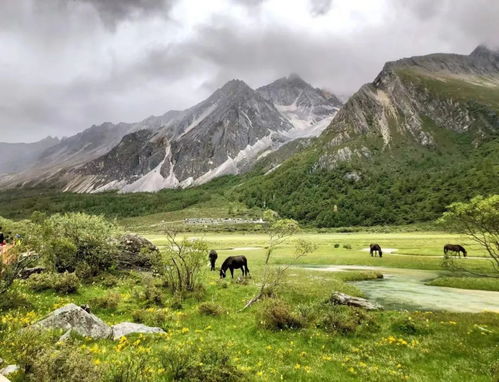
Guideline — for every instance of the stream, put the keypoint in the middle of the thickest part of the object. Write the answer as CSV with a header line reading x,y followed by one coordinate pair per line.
x,y
405,289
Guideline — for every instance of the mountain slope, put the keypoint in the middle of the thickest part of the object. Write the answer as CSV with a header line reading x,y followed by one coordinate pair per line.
x,y
20,156
423,134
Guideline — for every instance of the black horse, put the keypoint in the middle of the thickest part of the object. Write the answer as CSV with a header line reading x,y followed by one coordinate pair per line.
x,y
375,249
456,248
234,262
213,256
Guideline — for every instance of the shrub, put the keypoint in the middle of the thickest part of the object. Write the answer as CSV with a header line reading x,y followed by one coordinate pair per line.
x,y
40,282
13,300
75,238
210,309
64,364
408,325
347,246
190,363
182,263
64,283
343,319
150,294
153,317
275,314
109,301
336,245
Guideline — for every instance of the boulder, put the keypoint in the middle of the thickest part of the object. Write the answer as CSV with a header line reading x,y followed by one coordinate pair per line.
x,y
9,370
344,299
4,379
126,328
74,318
135,252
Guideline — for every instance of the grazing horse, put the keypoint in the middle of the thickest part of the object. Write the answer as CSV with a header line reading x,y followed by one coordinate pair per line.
x,y
213,256
234,262
456,248
375,249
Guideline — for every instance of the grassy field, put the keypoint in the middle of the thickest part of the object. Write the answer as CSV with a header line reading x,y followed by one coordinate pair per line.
x,y
378,346
418,250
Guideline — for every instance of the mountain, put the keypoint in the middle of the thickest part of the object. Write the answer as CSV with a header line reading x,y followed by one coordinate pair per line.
x,y
423,134
224,134
310,110
20,156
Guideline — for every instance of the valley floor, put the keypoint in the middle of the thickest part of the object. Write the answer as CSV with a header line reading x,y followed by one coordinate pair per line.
x,y
332,345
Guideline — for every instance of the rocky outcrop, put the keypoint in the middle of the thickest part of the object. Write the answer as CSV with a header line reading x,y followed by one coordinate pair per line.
x,y
74,318
339,298
135,252
10,369
126,328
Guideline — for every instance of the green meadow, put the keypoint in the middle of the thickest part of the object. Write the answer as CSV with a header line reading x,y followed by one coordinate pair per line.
x,y
326,343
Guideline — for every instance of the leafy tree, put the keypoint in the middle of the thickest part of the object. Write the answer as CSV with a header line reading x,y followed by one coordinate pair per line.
x,y
479,219
181,263
278,231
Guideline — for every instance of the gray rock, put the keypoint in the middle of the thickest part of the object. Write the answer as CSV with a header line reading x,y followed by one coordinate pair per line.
x,y
4,379
9,370
339,298
72,317
66,336
126,328
135,252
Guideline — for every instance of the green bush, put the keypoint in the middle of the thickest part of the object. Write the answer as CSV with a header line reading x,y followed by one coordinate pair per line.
x,y
347,246
64,364
193,364
153,317
73,239
13,300
210,309
109,301
275,314
343,319
411,326
63,283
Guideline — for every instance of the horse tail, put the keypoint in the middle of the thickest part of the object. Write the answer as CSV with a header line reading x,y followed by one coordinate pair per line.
x,y
246,264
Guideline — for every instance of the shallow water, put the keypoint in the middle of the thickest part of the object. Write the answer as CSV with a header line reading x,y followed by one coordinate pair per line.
x,y
405,289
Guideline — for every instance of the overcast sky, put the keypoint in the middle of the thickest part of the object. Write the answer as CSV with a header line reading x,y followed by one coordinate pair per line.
x,y
68,64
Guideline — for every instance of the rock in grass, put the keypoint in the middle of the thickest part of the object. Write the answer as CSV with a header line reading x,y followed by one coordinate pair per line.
x,y
126,328
4,379
74,318
339,298
9,370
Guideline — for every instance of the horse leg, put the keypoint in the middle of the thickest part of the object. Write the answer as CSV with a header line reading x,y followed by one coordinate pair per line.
x,y
231,272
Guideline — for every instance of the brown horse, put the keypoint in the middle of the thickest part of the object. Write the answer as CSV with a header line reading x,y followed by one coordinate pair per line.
x,y
375,249
456,248
234,262
213,256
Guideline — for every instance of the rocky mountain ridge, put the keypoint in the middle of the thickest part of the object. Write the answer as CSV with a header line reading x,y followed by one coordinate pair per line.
x,y
224,134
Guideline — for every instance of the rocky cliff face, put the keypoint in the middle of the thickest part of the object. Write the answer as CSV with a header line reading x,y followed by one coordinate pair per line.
x,y
410,98
224,134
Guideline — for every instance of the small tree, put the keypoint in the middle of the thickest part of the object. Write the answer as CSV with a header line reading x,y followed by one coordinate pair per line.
x,y
278,231
478,219
182,262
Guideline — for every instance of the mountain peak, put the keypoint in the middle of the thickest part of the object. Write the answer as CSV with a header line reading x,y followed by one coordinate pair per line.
x,y
235,84
484,51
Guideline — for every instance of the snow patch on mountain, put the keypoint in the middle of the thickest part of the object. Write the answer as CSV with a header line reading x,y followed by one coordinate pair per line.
x,y
233,165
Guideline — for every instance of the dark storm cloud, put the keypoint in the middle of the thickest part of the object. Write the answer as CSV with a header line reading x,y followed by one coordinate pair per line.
x,y
114,11
67,64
